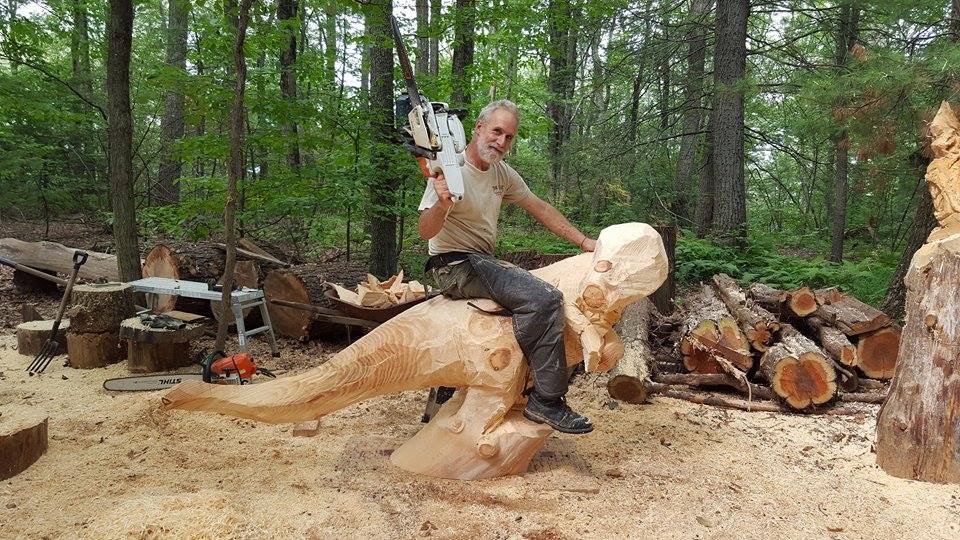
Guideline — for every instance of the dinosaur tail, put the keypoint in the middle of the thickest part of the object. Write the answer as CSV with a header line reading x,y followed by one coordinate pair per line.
x,y
374,365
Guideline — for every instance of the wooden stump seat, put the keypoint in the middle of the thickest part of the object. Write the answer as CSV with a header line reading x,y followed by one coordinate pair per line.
x,y
157,349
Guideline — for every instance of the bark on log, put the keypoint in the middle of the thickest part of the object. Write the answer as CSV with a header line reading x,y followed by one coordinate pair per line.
x,y
32,335
793,303
878,352
729,402
751,391
757,324
59,258
833,341
917,433
710,332
23,439
627,377
98,308
88,351
799,372
303,284
849,315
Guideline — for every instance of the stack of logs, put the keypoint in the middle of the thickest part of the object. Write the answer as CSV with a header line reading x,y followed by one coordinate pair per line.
x,y
803,344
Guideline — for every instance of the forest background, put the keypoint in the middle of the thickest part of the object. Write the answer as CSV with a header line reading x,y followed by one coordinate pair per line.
x,y
784,138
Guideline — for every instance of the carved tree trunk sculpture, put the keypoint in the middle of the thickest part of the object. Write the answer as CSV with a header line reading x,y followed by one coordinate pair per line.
x,y
480,433
917,430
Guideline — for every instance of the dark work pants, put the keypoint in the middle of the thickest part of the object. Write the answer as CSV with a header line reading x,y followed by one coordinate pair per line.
x,y
537,309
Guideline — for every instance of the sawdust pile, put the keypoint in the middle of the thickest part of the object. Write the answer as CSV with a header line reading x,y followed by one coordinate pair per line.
x,y
117,467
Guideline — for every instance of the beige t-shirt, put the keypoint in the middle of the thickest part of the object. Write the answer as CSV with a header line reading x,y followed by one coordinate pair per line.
x,y
471,225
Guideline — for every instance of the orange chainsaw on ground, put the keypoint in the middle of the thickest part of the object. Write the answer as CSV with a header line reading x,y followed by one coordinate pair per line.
x,y
217,369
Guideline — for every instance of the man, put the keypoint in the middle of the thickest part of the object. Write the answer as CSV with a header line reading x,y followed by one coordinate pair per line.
x,y
462,237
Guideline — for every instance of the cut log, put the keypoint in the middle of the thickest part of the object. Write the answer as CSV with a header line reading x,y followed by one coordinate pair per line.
x,y
100,307
33,334
849,315
711,332
752,391
758,325
717,400
626,378
59,258
799,302
41,274
917,430
201,262
88,351
245,274
833,341
156,349
23,439
303,284
799,372
878,352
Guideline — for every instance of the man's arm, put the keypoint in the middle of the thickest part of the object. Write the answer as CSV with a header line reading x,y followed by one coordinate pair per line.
x,y
552,219
431,219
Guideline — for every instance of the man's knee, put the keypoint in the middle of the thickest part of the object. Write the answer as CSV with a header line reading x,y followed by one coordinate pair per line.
x,y
549,301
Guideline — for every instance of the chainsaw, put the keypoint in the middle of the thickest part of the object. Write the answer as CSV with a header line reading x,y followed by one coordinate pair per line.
x,y
217,369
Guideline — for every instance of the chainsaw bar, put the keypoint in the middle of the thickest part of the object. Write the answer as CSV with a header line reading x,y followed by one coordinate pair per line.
x,y
149,382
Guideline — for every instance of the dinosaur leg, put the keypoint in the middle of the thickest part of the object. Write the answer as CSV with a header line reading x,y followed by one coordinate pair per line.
x,y
474,435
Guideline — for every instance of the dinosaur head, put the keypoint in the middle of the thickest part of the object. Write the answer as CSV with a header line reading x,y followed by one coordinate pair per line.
x,y
629,263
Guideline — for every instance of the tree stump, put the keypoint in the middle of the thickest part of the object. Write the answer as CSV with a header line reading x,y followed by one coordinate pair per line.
x,y
100,307
23,439
88,351
32,335
917,429
157,349
303,284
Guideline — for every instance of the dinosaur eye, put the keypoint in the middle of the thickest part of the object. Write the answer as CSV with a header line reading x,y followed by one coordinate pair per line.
x,y
602,266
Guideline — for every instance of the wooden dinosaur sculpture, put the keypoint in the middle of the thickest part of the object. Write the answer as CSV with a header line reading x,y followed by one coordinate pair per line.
x,y
481,432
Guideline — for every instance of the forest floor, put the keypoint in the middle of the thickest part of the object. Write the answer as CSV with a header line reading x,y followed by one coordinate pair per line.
x,y
118,467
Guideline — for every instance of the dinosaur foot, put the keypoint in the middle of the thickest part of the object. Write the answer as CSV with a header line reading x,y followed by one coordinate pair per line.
x,y
453,444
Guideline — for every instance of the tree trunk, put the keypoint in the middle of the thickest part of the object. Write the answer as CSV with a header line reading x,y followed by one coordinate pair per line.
x,y
287,15
703,219
465,18
80,48
692,104
730,210
304,284
172,127
59,258
236,172
627,378
846,37
120,138
799,372
423,39
436,11
561,74
924,222
385,185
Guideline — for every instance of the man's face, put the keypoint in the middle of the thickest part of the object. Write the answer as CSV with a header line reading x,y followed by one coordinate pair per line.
x,y
494,137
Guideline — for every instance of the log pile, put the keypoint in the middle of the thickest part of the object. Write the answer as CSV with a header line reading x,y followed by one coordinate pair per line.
x,y
802,348
373,293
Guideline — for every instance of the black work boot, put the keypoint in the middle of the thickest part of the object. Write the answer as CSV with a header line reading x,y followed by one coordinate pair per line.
x,y
556,414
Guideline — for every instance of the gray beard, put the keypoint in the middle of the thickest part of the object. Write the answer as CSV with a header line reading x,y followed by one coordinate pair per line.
x,y
489,155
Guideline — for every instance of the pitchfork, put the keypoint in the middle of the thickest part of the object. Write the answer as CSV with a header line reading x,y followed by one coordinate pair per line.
x,y
49,349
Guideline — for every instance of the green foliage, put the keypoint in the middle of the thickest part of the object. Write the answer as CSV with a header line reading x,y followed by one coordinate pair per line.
x,y
698,259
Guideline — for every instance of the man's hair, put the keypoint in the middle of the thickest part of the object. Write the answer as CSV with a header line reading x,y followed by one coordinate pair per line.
x,y
504,104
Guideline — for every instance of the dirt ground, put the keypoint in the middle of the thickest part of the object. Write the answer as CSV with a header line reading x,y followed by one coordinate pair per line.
x,y
117,467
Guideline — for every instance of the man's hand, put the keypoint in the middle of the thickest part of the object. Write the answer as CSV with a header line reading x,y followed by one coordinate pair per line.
x,y
588,244
443,192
